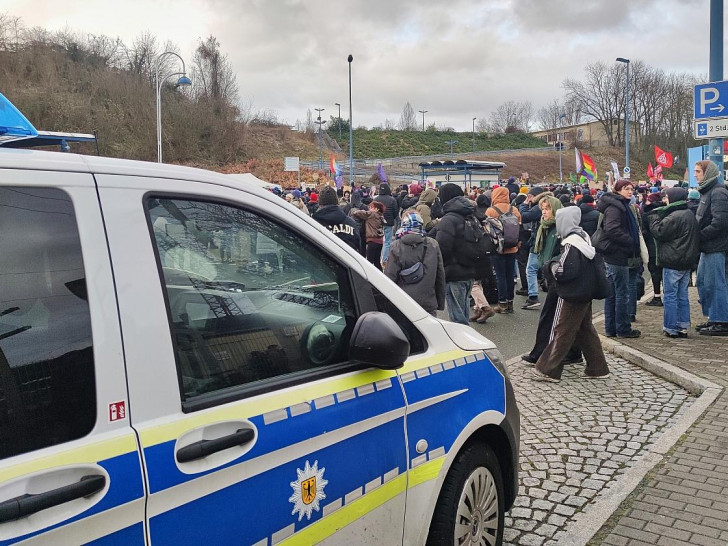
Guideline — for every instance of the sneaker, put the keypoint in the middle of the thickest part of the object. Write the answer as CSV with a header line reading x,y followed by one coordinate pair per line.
x,y
522,292
610,335
531,303
715,329
676,335
585,376
631,334
655,302
528,358
704,325
538,376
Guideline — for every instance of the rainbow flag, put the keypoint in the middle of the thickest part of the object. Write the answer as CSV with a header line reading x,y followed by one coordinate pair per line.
x,y
334,166
585,165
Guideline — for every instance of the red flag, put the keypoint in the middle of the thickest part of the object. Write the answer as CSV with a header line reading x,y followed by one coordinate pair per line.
x,y
650,172
663,158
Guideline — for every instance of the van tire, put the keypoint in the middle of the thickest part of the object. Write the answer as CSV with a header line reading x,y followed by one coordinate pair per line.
x,y
472,489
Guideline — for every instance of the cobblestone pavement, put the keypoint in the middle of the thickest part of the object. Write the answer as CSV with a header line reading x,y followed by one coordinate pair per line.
x,y
685,500
577,437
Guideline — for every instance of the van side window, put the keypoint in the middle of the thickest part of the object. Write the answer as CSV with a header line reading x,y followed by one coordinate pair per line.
x,y
249,301
47,388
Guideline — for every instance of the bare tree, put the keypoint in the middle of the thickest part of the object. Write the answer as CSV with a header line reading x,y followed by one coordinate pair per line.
x,y
511,117
11,30
558,113
408,119
213,76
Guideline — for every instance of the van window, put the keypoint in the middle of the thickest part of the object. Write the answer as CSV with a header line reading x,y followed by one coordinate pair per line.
x,y
47,389
249,300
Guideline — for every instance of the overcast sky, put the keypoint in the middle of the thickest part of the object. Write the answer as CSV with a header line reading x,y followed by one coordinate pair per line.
x,y
458,59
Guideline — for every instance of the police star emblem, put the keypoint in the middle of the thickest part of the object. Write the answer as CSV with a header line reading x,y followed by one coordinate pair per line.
x,y
308,490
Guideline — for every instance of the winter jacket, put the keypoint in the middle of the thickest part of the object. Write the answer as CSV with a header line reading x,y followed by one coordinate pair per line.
x,y
409,201
449,233
675,231
589,218
301,206
312,207
693,206
338,223
373,223
712,217
501,203
531,218
405,252
620,246
646,233
424,205
391,210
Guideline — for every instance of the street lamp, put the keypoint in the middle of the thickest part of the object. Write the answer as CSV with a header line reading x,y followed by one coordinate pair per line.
x,y
351,131
560,144
183,80
626,115
423,112
474,134
451,142
320,123
337,104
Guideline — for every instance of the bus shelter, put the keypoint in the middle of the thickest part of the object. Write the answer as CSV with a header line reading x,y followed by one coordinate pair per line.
x,y
467,174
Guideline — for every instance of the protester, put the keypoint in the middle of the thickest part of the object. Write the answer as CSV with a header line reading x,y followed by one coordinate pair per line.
x,y
693,201
712,217
449,233
674,230
485,278
654,201
330,215
546,244
312,202
589,214
424,207
391,211
574,273
373,219
296,201
619,243
532,217
412,247
504,262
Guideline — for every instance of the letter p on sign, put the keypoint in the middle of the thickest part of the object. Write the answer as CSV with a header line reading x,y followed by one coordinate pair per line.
x,y
708,95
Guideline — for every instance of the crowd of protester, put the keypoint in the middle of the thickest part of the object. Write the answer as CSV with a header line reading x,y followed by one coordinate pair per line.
x,y
467,252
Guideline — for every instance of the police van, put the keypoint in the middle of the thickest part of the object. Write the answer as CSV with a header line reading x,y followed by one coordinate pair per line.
x,y
187,361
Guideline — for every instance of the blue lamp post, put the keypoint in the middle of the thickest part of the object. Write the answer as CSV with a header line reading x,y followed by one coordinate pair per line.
x,y
182,81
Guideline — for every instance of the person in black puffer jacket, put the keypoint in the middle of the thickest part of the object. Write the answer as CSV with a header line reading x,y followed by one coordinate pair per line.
x,y
675,232
712,219
589,215
330,215
449,234
654,201
391,213
619,243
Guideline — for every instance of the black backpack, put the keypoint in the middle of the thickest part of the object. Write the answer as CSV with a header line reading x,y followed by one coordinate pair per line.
x,y
478,244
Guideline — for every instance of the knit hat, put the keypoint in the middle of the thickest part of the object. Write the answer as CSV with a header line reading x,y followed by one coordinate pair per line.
x,y
654,197
523,189
588,198
676,194
483,200
520,198
654,189
511,180
328,196
384,189
314,197
296,194
694,195
449,191
536,190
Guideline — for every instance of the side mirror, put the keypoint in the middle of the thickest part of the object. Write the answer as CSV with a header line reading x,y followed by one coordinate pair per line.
x,y
378,341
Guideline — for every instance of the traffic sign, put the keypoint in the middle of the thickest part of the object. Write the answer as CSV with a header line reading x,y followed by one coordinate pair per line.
x,y
290,164
711,100
712,128
626,172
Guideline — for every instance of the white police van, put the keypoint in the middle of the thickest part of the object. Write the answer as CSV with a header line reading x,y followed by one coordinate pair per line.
x,y
187,361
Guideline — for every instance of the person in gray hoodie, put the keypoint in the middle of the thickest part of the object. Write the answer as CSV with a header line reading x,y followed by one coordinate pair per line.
x,y
410,247
573,272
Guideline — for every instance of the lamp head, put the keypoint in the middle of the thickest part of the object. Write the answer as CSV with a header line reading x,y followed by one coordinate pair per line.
x,y
184,81
622,60
350,58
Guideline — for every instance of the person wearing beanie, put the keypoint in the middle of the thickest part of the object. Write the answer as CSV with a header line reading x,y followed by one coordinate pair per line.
x,y
693,201
410,247
523,189
674,230
297,202
312,202
589,214
654,201
504,262
513,186
620,243
712,217
330,215
391,212
449,234
373,220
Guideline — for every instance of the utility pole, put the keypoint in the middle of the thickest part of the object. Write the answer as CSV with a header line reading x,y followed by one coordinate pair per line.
x,y
337,104
320,123
423,112
715,145
626,115
474,134
451,142
351,131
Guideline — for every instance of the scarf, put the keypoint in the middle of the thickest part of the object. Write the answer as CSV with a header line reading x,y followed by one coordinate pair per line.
x,y
711,174
410,223
581,242
546,225
634,230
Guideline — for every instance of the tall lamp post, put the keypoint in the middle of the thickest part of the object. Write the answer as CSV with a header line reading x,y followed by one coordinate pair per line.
x,y
715,66
320,123
183,80
451,142
351,131
423,112
626,115
560,144
474,134
339,119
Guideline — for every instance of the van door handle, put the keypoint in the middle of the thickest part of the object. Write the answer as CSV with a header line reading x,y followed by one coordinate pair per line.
x,y
203,448
24,505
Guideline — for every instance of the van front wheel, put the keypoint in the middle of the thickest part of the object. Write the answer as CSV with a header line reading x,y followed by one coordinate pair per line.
x,y
470,510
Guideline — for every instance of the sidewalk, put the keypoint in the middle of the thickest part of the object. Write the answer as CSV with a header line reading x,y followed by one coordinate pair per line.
x,y
685,499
